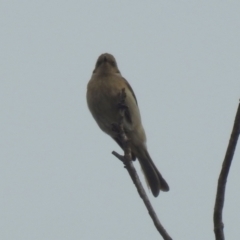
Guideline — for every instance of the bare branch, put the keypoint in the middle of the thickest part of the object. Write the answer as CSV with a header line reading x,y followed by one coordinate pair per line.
x,y
222,180
127,161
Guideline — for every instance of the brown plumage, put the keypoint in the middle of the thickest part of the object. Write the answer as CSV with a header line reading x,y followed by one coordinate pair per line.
x,y
102,97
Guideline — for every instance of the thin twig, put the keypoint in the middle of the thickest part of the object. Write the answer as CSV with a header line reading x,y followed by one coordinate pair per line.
x,y
222,180
127,161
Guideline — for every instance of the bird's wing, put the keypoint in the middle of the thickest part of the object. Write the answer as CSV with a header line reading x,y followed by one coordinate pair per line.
x,y
130,88
128,116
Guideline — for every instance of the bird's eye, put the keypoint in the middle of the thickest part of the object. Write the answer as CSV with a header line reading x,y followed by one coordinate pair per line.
x,y
113,63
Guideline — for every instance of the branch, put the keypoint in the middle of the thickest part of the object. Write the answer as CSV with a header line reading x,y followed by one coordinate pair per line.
x,y
127,161
222,180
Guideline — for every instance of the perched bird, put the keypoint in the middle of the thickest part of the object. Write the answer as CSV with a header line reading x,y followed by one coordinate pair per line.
x,y
103,91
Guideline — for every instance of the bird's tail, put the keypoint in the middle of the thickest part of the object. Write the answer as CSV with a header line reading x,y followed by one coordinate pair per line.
x,y
154,178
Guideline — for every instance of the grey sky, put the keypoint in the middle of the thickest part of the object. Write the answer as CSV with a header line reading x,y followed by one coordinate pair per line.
x,y
58,179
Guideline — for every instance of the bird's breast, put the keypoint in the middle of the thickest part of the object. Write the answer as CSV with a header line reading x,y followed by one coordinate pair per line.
x,y
102,98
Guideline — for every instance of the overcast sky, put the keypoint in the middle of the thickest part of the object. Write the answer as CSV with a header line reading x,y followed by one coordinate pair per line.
x,y
58,179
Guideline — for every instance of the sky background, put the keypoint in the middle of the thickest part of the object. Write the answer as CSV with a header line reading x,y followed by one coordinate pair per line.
x,y
58,178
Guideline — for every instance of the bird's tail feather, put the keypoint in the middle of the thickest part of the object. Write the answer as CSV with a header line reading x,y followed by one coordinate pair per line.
x,y
154,178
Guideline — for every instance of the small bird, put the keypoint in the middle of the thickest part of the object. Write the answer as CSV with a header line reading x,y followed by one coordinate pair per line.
x,y
103,91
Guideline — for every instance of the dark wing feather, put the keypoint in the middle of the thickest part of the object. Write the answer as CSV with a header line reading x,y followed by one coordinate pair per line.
x,y
131,90
127,113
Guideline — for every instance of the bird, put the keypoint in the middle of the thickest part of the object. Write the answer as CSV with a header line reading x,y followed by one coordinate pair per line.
x,y
103,91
